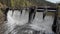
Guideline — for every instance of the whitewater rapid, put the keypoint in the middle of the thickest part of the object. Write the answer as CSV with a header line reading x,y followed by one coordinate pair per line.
x,y
37,24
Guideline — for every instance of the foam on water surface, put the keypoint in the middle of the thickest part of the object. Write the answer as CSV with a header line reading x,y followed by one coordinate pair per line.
x,y
37,24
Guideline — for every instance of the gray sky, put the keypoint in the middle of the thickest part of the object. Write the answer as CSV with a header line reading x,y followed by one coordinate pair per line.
x,y
54,1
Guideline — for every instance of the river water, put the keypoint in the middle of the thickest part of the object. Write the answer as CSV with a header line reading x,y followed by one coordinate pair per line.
x,y
16,22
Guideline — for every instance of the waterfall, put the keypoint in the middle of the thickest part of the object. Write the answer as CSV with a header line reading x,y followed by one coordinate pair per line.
x,y
16,19
42,25
37,24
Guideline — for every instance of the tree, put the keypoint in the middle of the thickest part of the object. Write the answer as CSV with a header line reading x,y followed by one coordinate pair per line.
x,y
20,3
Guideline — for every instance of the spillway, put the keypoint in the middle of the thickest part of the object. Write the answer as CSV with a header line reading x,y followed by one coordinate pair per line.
x,y
16,20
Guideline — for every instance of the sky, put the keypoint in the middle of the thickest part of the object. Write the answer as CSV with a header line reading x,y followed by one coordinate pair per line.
x,y
53,1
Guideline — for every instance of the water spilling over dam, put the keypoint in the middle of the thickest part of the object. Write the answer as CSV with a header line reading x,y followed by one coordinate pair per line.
x,y
18,22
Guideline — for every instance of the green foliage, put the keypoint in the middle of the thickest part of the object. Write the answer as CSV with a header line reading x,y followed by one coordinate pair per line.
x,y
20,3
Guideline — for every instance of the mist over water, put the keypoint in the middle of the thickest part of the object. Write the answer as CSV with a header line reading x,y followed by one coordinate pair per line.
x,y
18,19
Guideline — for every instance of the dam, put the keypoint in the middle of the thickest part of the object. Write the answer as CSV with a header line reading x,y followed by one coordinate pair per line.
x,y
17,22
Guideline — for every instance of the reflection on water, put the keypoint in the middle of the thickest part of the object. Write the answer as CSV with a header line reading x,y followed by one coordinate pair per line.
x,y
16,24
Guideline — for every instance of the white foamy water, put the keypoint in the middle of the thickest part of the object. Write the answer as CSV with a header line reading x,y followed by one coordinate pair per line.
x,y
42,25
16,19
20,19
